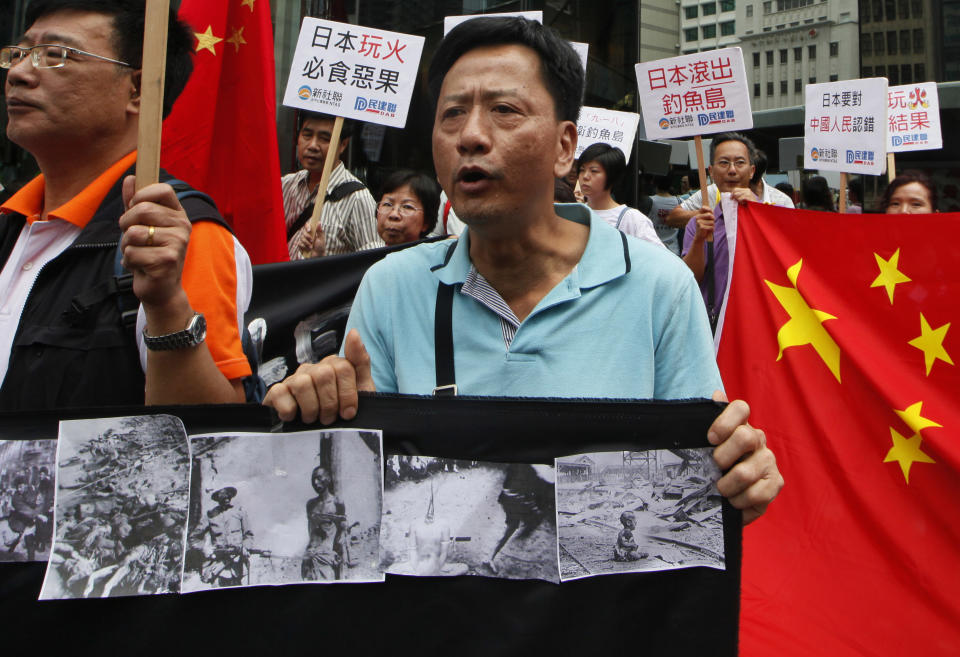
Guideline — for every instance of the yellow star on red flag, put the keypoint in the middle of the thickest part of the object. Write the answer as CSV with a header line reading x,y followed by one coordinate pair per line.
x,y
890,276
805,326
206,40
930,342
237,38
906,451
247,3
912,418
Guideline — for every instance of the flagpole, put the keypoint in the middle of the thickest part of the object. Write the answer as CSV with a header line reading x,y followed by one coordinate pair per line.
x,y
702,170
843,192
152,74
332,156
891,167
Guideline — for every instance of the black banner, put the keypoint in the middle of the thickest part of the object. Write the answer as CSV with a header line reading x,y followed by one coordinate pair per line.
x,y
673,612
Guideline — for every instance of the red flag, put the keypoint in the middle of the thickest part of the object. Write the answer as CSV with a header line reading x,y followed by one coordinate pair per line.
x,y
221,136
842,332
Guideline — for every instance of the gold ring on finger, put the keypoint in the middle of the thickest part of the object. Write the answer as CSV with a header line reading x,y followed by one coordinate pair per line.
x,y
150,232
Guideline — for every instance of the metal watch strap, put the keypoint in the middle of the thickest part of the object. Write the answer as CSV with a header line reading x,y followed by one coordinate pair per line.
x,y
193,335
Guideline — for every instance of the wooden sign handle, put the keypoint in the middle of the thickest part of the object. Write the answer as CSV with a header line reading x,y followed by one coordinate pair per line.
x,y
891,167
702,170
843,192
152,75
332,156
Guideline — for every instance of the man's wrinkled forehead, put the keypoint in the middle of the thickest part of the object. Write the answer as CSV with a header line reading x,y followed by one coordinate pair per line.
x,y
69,28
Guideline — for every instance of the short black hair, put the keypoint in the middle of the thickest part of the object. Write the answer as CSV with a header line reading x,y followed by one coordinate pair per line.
x,y
760,167
815,193
562,192
734,136
128,26
905,178
426,189
855,190
609,157
662,183
786,188
560,65
346,132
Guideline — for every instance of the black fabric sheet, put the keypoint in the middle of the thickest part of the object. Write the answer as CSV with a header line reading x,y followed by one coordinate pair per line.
x,y
682,612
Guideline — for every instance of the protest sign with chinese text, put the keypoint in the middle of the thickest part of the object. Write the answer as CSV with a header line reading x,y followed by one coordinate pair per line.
x,y
606,126
845,126
695,94
913,118
353,71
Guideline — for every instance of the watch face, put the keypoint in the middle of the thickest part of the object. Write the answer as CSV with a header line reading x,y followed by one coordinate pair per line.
x,y
198,329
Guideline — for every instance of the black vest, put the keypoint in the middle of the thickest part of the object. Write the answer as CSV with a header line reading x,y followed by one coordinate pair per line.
x,y
65,354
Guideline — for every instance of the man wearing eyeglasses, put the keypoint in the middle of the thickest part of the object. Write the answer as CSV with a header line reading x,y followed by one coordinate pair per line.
x,y
733,160
348,221
67,333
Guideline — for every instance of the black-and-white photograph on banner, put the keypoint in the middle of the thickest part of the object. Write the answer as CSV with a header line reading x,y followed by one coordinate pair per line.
x,y
621,512
288,508
444,517
26,499
122,488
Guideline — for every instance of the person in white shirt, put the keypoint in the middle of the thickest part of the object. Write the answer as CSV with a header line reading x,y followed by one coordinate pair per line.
x,y
601,167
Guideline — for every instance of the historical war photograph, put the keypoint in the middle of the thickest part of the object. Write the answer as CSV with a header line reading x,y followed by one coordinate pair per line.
x,y
270,509
445,517
121,508
638,511
26,499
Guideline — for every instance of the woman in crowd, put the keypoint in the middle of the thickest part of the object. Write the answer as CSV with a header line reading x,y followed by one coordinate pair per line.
x,y
816,194
601,167
408,207
912,192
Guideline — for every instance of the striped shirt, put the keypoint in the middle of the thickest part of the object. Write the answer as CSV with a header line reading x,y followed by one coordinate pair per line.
x,y
348,225
477,287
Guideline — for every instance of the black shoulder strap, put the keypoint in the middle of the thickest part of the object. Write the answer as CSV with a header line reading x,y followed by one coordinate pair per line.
x,y
443,342
338,193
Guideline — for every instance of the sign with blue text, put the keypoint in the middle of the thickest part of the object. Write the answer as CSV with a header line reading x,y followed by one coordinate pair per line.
x,y
845,126
913,118
353,71
611,127
696,94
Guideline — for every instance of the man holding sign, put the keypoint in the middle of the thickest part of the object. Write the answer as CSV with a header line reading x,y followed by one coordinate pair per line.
x,y
524,291
348,222
67,334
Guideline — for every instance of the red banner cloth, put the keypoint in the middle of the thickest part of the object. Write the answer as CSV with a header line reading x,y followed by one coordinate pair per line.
x,y
843,334
222,136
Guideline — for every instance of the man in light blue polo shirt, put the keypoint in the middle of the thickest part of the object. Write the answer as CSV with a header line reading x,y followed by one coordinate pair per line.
x,y
534,300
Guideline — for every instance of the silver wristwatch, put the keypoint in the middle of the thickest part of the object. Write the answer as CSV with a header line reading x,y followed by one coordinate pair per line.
x,y
194,334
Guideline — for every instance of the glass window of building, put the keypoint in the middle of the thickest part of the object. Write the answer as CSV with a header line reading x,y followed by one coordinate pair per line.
x,y
709,9
893,74
868,71
916,8
709,31
880,71
891,43
834,77
906,74
878,43
878,10
769,88
690,34
756,89
811,52
798,53
767,6
769,54
691,12
749,11
729,28
728,5
890,9
864,11
812,79
904,41
834,48
918,42
783,87
918,73
866,46
783,55
797,86
756,59
903,9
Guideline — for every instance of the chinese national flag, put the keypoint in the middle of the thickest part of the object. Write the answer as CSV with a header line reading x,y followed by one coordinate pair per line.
x,y
221,136
843,334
